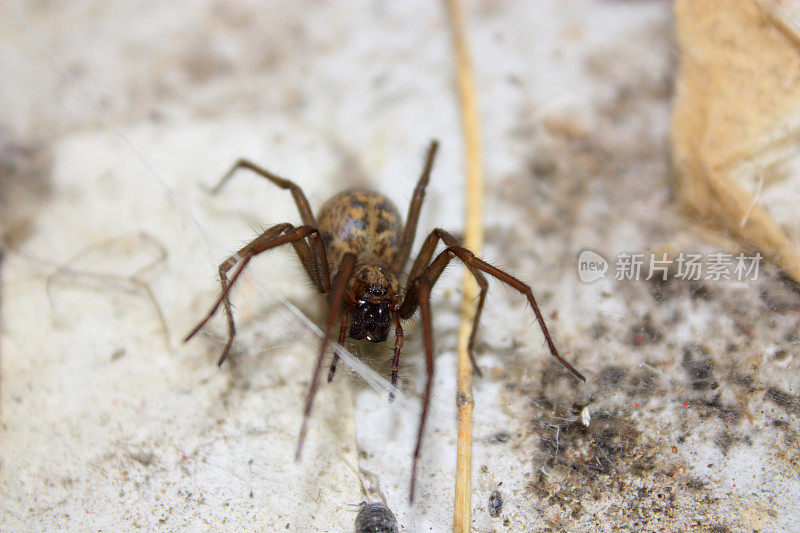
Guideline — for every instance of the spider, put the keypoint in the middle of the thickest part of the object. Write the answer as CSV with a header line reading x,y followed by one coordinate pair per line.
x,y
355,251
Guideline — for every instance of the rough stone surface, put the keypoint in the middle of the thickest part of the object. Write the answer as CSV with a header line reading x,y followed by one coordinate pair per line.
x,y
692,390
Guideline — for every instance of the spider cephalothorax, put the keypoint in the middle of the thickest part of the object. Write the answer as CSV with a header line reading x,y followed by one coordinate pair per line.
x,y
354,253
371,302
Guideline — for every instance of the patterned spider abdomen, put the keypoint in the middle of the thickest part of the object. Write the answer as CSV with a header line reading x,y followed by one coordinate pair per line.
x,y
361,222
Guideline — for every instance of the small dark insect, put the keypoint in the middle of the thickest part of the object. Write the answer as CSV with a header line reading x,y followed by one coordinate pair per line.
x,y
495,503
354,253
375,518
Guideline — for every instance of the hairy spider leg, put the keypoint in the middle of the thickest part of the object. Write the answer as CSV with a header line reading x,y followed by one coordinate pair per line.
x,y
342,337
338,293
443,259
418,294
422,262
422,288
398,344
410,229
274,236
319,275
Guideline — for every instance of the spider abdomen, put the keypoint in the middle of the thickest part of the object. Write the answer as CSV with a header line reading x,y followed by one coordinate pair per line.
x,y
362,222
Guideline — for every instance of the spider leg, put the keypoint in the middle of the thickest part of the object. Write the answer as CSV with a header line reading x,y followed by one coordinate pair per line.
x,y
338,293
274,236
440,263
342,337
414,208
422,263
422,288
310,257
315,261
300,200
398,344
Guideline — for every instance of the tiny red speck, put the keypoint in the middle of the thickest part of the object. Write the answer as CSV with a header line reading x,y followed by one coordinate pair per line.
x,y
636,405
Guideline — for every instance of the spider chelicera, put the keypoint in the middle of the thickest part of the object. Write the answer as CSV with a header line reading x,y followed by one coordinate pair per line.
x,y
355,251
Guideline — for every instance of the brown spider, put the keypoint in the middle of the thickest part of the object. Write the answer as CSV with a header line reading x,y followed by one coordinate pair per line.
x,y
359,241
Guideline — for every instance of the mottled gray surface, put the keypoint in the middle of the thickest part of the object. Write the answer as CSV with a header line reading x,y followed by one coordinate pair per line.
x,y
692,387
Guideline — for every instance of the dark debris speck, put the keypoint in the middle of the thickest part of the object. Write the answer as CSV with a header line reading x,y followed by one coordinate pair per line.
x,y
789,401
499,437
645,332
697,363
495,503
611,375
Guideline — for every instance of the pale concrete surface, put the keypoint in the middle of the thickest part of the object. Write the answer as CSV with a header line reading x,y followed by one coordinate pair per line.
x,y
692,388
